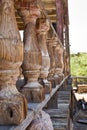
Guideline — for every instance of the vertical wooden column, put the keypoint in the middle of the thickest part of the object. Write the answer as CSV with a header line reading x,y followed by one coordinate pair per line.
x,y
66,61
42,29
67,46
67,51
52,61
59,64
59,20
31,66
56,77
13,106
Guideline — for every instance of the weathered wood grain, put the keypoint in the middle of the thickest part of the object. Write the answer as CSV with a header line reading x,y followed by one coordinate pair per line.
x,y
33,90
33,108
42,27
13,105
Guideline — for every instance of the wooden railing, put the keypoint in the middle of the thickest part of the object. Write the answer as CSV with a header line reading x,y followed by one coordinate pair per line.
x,y
79,81
33,108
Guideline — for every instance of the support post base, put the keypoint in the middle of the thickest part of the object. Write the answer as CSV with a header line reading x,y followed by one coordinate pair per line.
x,y
13,110
34,92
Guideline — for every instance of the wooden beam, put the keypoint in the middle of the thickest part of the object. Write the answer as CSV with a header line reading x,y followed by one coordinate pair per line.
x,y
52,11
49,4
60,13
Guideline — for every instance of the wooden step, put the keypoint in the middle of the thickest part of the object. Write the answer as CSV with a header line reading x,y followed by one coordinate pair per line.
x,y
60,124
60,127
57,113
61,116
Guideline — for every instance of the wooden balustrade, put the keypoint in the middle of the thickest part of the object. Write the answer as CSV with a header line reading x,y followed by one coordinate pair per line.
x,y
11,56
80,86
33,108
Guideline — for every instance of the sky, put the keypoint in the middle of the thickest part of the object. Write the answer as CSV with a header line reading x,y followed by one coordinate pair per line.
x,y
78,25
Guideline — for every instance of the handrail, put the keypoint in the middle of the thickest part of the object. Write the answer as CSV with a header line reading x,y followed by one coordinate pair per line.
x,y
75,78
33,108
81,77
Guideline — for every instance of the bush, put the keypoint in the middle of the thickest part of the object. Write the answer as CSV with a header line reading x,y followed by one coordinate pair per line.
x,y
78,63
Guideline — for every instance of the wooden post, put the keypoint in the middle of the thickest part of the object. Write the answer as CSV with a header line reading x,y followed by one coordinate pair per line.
x,y
59,20
52,61
56,60
42,29
58,55
66,44
13,106
60,64
33,91
67,52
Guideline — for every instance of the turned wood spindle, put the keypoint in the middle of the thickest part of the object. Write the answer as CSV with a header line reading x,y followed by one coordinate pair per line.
x,y
58,55
42,29
33,91
56,77
13,105
52,61
60,63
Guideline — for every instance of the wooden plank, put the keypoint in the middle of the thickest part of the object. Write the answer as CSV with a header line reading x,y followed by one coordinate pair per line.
x,y
59,123
81,77
63,101
59,19
60,126
82,88
63,106
57,113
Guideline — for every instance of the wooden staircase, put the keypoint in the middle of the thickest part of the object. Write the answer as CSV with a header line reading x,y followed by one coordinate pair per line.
x,y
61,116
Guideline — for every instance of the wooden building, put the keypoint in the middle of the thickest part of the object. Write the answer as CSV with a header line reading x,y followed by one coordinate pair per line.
x,y
43,58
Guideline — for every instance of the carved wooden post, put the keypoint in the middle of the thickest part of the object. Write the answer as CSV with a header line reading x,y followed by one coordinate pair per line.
x,y
31,66
60,63
42,28
56,77
52,61
66,63
13,107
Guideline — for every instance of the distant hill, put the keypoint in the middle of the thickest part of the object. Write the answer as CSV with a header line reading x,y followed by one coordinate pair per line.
x,y
78,64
